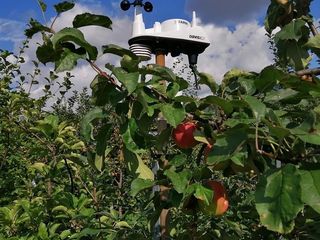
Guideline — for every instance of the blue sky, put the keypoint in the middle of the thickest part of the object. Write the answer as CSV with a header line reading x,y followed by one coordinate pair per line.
x,y
226,12
234,27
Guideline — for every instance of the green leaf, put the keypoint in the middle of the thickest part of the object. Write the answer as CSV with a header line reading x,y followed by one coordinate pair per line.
x,y
314,44
42,232
203,193
257,107
200,137
45,53
225,105
163,138
117,50
87,19
86,123
278,199
98,162
280,95
307,131
179,180
65,234
129,64
129,134
268,78
274,11
68,60
174,114
172,89
297,55
228,144
86,232
233,75
295,30
129,80
35,27
138,184
48,126
136,165
104,92
53,229
247,85
76,36
310,186
63,6
103,136
165,73
178,160
240,158
60,208
208,80
39,166
122,224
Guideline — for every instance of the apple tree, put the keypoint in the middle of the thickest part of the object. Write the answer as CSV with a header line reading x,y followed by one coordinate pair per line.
x,y
240,163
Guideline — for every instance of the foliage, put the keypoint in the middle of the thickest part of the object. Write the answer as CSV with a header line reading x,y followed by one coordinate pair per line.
x,y
66,178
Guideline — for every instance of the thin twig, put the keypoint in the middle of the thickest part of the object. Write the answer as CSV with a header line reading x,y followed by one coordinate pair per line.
x,y
313,29
260,151
43,15
53,22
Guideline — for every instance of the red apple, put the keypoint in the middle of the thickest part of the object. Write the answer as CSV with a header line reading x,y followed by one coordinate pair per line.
x,y
219,204
183,135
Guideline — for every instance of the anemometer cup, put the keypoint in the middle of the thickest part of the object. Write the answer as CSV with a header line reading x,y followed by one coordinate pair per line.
x,y
125,5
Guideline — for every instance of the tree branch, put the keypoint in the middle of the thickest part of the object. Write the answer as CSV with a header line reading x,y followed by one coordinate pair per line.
x,y
313,29
104,74
312,71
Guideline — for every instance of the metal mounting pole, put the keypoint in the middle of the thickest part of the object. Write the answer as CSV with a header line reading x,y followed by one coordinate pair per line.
x,y
161,125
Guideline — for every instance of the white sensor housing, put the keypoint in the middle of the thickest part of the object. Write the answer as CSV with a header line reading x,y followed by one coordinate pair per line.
x,y
173,36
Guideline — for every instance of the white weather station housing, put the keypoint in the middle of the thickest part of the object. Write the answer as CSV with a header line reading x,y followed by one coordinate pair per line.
x,y
174,36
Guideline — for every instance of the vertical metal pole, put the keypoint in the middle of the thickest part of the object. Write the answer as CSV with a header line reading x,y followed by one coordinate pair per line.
x,y
164,216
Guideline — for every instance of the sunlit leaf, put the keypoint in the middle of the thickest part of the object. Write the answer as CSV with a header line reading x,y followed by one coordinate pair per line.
x,y
76,36
138,184
310,186
174,114
180,180
258,108
278,199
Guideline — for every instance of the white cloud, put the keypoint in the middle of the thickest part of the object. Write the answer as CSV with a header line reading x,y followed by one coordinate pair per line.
x,y
245,47
11,30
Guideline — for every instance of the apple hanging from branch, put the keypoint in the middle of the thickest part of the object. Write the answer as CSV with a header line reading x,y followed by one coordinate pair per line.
x,y
183,135
219,203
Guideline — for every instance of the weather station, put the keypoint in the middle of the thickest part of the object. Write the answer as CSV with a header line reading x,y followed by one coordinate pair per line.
x,y
174,36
